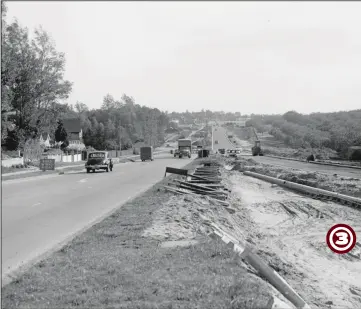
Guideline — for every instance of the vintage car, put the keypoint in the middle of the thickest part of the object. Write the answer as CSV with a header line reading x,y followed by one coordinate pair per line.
x,y
97,160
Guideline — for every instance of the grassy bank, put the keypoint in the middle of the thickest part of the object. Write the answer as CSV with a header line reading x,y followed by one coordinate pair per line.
x,y
118,264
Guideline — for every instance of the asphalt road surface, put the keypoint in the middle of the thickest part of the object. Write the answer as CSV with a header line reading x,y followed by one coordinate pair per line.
x,y
40,212
220,139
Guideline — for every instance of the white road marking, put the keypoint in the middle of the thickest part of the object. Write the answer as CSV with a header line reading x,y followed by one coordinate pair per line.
x,y
83,180
36,204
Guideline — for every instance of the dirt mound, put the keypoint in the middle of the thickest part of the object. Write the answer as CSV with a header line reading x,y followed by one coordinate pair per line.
x,y
185,217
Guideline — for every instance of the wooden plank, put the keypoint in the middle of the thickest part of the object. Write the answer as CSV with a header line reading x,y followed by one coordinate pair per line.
x,y
177,171
202,178
195,186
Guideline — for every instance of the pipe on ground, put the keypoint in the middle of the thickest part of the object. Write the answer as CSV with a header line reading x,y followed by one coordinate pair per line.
x,y
304,188
262,268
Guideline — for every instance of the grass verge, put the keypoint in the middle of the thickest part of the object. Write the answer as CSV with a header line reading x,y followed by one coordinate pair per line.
x,y
113,266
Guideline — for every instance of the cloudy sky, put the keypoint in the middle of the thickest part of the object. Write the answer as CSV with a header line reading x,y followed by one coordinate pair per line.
x,y
251,57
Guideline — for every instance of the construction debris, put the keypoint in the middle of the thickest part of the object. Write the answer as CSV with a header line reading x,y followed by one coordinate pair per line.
x,y
205,180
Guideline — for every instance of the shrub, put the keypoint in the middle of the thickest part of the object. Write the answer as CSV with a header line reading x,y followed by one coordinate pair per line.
x,y
33,150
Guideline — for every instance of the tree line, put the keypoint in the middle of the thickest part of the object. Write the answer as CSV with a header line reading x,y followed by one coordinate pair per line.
x,y
34,93
119,123
338,130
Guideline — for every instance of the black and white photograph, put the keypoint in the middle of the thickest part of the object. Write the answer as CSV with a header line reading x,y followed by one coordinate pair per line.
x,y
181,154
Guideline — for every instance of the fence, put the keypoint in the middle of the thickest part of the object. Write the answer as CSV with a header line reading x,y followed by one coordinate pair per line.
x,y
66,158
12,161
114,153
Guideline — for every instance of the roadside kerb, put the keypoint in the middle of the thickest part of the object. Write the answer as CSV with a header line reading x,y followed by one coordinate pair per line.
x,y
119,160
263,269
314,192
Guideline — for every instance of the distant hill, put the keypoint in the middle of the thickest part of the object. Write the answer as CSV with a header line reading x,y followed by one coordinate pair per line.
x,y
337,131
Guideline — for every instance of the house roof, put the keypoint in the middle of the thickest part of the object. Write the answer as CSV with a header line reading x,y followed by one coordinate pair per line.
x,y
72,125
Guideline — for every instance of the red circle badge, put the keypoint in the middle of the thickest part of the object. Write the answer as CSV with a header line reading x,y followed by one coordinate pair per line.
x,y
341,238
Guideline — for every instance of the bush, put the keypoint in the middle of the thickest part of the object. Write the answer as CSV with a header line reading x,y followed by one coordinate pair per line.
x,y
355,155
33,150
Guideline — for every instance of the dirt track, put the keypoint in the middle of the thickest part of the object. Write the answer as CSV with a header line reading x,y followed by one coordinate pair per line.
x,y
325,169
288,230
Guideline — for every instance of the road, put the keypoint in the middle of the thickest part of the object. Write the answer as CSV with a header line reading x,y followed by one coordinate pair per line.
x,y
40,212
220,135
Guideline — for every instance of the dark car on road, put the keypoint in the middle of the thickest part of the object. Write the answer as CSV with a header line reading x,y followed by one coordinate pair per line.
x,y
222,151
97,160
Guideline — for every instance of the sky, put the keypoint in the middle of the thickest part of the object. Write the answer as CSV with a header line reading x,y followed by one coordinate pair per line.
x,y
247,57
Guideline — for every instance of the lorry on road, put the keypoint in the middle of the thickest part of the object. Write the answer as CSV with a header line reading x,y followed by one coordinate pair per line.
x,y
146,153
97,160
184,148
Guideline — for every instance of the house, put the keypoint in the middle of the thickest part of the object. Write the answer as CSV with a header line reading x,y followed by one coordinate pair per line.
x,y
74,131
44,140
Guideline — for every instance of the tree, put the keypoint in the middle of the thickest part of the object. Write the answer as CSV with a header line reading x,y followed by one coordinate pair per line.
x,y
81,108
32,79
108,102
60,134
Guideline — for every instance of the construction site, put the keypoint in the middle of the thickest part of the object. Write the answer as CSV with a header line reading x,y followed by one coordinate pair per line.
x,y
269,239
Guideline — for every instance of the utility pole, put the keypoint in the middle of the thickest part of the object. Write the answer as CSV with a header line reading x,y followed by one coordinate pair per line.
x,y
212,135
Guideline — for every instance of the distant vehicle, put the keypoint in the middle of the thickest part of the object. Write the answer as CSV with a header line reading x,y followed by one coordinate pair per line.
x,y
216,142
146,153
97,160
230,136
233,152
311,157
222,151
184,148
256,149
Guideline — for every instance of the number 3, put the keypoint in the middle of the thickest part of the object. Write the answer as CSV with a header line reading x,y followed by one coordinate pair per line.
x,y
342,238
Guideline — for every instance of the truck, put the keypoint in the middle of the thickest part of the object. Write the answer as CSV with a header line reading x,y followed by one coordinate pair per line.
x,y
184,148
256,149
146,153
